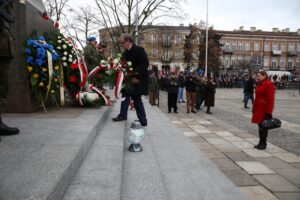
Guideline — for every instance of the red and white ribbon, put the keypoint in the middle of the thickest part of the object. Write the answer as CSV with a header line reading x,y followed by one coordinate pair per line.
x,y
101,94
95,70
119,83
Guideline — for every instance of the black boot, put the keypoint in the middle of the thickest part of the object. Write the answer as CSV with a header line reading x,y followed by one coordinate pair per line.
x,y
263,145
260,139
6,130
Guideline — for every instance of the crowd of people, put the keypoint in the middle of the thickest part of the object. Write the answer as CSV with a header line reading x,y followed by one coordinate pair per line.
x,y
199,90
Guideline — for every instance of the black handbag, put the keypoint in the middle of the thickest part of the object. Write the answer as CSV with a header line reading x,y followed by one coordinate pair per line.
x,y
270,123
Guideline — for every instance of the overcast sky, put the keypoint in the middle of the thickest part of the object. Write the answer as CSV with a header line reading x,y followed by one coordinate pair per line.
x,y
231,14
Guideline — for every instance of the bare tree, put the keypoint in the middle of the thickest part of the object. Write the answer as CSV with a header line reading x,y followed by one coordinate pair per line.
x,y
119,16
56,8
83,24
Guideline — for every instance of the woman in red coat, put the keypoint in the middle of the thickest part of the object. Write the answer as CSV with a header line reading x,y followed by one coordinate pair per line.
x,y
263,106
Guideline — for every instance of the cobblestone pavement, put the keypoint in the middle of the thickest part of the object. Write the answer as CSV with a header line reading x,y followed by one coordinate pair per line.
x,y
227,138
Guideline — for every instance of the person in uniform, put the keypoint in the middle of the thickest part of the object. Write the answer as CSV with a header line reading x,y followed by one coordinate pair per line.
x,y
91,54
5,58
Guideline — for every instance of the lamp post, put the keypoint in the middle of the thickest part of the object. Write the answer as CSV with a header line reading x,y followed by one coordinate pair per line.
x,y
206,46
137,22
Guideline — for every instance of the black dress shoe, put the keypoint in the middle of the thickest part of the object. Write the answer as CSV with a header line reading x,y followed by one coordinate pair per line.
x,y
209,113
7,131
119,118
246,107
261,147
194,111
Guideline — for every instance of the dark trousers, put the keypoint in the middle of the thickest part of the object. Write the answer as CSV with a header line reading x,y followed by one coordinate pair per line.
x,y
4,66
199,100
138,105
172,101
248,96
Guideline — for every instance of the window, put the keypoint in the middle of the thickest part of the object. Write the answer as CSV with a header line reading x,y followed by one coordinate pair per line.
x,y
267,47
233,46
283,49
298,47
176,54
240,60
165,39
233,60
255,60
247,46
226,46
274,64
266,61
154,38
291,47
290,64
194,55
177,39
274,46
282,62
154,53
241,46
256,46
226,61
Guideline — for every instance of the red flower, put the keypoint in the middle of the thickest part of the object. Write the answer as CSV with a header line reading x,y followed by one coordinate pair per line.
x,y
74,66
72,79
81,84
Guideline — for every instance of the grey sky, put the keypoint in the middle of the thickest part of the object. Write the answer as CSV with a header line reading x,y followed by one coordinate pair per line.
x,y
231,14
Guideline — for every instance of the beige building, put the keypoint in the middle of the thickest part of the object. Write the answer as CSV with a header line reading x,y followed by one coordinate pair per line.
x,y
257,49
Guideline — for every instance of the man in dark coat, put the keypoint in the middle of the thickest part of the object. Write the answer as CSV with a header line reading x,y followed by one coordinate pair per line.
x,y
172,88
209,94
6,51
249,90
138,57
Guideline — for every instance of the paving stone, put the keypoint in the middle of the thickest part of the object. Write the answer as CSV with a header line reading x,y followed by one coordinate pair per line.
x,y
296,164
243,145
239,156
276,183
257,153
227,149
190,134
274,163
218,141
215,128
208,135
198,139
288,196
274,149
204,122
200,129
224,164
253,140
252,167
257,193
210,153
187,120
234,139
288,157
224,133
240,178
202,146
291,174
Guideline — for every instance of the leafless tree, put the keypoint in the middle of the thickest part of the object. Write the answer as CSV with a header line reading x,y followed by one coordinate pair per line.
x,y
83,24
118,16
56,8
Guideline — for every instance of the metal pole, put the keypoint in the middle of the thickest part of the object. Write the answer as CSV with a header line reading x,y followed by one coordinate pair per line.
x,y
206,46
137,22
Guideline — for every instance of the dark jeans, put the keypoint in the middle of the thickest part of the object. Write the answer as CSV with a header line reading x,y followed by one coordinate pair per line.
x,y
172,101
138,105
248,95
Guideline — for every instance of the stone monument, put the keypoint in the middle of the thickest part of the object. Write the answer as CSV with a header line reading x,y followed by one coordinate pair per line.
x,y
28,19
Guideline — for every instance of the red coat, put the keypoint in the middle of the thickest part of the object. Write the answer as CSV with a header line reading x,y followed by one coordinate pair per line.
x,y
264,101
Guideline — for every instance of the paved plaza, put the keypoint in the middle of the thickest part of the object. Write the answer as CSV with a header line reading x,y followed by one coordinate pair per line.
x,y
227,138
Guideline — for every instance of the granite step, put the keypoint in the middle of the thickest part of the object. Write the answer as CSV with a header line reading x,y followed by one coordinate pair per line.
x,y
100,175
41,161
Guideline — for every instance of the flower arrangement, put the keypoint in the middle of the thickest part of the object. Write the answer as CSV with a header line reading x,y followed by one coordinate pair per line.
x,y
69,61
42,63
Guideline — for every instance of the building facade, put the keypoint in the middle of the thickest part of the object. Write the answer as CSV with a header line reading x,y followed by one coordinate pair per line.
x,y
242,49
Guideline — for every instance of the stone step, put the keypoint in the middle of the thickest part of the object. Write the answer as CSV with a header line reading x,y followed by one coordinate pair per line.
x,y
41,161
100,175
171,167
